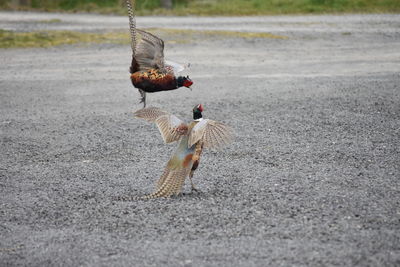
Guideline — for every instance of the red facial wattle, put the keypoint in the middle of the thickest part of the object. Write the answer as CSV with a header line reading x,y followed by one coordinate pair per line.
x,y
187,83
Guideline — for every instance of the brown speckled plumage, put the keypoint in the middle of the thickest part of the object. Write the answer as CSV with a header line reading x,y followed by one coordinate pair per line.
x,y
193,138
149,71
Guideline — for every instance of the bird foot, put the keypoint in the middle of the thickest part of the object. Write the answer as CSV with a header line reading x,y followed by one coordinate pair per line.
x,y
195,190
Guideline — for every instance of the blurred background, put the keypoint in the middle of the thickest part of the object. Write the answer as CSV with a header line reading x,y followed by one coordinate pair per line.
x,y
208,7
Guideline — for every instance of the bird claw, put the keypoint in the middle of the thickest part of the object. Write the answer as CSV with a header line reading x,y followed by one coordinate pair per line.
x,y
195,190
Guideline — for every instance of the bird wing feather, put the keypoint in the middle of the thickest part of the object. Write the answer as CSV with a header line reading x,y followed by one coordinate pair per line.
x,y
149,114
211,133
174,67
170,126
149,51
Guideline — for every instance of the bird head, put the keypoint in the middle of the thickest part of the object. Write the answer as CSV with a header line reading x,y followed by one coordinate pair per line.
x,y
184,81
197,110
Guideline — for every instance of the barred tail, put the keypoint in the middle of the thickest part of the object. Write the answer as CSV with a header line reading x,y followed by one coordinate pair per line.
x,y
132,24
170,184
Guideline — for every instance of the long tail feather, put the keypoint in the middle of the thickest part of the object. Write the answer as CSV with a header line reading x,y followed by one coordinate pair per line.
x,y
132,24
170,183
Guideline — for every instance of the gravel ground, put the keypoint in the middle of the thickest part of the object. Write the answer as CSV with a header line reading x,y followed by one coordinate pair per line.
x,y
312,178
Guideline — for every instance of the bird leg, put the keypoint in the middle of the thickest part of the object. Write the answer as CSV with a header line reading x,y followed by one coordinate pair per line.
x,y
196,161
191,181
143,97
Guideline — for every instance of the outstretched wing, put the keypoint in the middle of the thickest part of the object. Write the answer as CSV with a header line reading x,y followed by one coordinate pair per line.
x,y
149,52
170,126
149,114
211,133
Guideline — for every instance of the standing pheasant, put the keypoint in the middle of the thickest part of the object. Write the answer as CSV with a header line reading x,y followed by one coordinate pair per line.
x,y
200,133
149,71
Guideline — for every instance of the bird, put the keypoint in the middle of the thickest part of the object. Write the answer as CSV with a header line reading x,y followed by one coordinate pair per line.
x,y
194,137
150,72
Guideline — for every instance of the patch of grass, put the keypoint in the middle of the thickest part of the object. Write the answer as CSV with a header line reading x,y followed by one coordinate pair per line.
x,y
214,33
9,39
215,7
50,21
272,7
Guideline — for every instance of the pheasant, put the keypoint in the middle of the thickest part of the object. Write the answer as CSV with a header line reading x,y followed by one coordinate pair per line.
x,y
194,137
149,71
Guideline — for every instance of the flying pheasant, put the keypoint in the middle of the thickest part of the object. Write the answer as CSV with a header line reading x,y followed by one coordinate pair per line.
x,y
149,71
200,133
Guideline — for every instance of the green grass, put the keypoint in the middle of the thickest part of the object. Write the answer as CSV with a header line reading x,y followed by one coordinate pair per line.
x,y
50,21
272,7
216,7
173,34
9,39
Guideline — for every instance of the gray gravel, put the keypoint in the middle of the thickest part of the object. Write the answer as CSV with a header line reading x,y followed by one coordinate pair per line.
x,y
311,180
